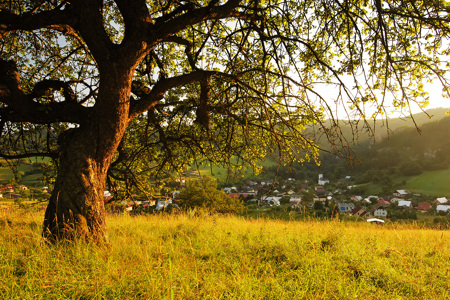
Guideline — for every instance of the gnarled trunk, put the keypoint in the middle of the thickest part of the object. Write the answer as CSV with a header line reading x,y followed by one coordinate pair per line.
x,y
76,204
76,208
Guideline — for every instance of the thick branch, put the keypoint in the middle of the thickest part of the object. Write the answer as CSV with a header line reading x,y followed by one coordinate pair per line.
x,y
42,87
20,107
149,97
57,19
164,28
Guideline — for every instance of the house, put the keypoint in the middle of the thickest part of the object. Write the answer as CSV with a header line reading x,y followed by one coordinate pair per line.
x,y
443,208
356,198
163,203
322,180
384,203
295,199
272,201
320,199
423,206
227,190
359,211
440,201
405,204
345,207
380,212
401,193
396,200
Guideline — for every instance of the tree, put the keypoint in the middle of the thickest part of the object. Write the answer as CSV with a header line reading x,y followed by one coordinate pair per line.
x,y
203,193
194,81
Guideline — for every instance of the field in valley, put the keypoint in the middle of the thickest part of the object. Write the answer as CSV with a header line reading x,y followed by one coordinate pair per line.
x,y
435,183
195,256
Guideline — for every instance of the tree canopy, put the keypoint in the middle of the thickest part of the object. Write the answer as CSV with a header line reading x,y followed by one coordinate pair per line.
x,y
203,193
115,90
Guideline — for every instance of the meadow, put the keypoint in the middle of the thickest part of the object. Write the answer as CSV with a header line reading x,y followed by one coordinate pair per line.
x,y
199,256
433,183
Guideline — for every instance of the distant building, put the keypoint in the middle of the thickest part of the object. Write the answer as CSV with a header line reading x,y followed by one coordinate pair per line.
x,y
345,207
356,198
401,193
405,204
424,206
443,208
381,212
359,211
322,180
295,199
441,200
384,203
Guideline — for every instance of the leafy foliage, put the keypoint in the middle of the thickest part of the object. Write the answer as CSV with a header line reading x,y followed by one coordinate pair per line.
x,y
121,91
203,193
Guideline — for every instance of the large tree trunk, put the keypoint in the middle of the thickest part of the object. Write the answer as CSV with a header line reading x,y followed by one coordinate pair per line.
x,y
76,208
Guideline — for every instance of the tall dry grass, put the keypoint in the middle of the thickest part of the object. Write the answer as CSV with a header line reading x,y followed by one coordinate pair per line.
x,y
187,256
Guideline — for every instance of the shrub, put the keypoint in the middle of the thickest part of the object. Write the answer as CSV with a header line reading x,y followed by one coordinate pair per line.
x,y
204,193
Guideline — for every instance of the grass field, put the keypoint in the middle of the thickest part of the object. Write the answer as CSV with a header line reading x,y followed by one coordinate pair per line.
x,y
436,183
432,183
221,173
6,175
187,256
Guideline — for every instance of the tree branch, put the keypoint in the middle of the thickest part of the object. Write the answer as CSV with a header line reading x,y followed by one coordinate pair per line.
x,y
20,107
150,97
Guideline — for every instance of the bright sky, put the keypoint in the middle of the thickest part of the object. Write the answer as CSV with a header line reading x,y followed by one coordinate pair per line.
x,y
436,100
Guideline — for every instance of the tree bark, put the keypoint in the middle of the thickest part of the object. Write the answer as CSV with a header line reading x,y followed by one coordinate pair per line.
x,y
76,205
76,208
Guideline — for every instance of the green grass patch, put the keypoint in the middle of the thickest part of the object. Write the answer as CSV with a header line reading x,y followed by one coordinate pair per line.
x,y
7,175
435,183
221,172
187,256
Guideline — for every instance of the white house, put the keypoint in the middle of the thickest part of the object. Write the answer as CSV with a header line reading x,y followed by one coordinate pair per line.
x,y
380,213
401,193
322,180
444,208
272,201
441,200
346,207
295,199
404,204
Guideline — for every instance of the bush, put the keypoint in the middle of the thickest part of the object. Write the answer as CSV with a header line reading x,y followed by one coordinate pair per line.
x,y
203,193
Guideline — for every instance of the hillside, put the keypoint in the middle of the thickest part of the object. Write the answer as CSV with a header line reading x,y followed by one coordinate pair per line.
x,y
382,128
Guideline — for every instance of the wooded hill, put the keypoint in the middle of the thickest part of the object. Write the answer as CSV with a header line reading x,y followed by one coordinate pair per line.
x,y
396,151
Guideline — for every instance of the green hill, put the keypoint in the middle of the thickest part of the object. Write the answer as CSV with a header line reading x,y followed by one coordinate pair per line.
x,y
434,183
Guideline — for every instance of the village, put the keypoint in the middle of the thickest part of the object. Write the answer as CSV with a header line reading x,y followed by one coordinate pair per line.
x,y
319,198
322,196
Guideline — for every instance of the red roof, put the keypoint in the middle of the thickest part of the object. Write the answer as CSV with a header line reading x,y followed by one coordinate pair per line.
x,y
423,206
384,202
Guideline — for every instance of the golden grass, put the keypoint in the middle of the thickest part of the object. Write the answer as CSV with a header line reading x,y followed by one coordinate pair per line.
x,y
222,257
